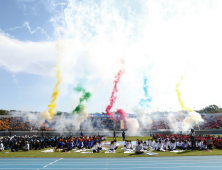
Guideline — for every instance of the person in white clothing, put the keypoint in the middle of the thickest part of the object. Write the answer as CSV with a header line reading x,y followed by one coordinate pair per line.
x,y
129,145
100,145
204,145
165,145
189,145
172,145
198,144
144,145
1,146
159,146
179,144
26,147
148,143
137,141
139,148
115,145
155,145
112,146
152,144
95,148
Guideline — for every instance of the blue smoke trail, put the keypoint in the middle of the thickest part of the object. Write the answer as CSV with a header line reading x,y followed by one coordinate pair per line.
x,y
145,102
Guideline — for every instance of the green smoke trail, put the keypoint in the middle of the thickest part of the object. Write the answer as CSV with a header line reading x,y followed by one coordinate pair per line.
x,y
85,97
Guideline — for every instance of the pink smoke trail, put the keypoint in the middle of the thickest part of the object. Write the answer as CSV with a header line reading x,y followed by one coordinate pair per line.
x,y
115,90
122,113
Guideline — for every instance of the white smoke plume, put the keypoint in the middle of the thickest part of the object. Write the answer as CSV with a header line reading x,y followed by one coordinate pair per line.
x,y
183,121
192,119
68,122
143,118
132,125
149,120
44,115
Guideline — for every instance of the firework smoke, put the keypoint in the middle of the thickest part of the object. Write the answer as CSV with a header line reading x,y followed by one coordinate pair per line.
x,y
122,113
85,97
143,105
115,90
179,96
132,125
52,106
145,102
193,117
44,115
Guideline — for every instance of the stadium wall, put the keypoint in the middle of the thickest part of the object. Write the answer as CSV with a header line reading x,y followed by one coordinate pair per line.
x,y
107,133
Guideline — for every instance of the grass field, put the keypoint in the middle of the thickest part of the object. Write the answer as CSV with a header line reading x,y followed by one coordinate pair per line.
x,y
119,152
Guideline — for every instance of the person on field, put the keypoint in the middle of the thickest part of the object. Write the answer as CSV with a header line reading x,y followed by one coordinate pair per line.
x,y
123,135
114,135
139,148
1,146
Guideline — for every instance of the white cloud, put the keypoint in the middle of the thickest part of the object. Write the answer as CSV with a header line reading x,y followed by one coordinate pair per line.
x,y
17,56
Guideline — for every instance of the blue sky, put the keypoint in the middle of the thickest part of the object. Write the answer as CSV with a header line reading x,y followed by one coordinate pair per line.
x,y
93,35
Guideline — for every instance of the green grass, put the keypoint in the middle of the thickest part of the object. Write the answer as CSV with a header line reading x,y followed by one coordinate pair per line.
x,y
119,153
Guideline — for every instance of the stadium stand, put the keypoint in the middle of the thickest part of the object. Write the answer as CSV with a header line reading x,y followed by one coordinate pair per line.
x,y
5,123
211,121
20,125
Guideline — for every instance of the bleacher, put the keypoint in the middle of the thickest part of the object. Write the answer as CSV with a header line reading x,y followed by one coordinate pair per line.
x,y
219,120
5,123
211,121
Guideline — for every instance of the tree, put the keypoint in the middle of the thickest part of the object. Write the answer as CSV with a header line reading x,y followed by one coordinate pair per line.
x,y
211,109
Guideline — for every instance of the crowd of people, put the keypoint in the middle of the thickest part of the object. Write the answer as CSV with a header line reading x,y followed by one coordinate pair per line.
x,y
5,123
88,142
185,142
159,142
26,143
20,125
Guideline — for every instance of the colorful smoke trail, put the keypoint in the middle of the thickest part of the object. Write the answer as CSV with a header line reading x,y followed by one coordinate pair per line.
x,y
145,102
85,97
115,90
52,106
179,96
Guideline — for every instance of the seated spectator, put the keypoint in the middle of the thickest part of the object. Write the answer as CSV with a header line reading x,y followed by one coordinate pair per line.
x,y
95,148
60,144
144,145
159,146
26,147
15,147
112,146
172,145
37,145
100,145
1,146
139,148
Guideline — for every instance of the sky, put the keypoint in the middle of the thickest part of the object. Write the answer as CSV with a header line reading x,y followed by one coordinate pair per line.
x,y
160,40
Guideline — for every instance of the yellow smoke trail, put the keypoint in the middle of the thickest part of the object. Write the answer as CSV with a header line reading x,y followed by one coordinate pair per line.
x,y
179,96
52,106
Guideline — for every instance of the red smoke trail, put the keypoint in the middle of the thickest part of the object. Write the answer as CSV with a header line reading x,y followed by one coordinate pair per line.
x,y
113,97
122,113
115,90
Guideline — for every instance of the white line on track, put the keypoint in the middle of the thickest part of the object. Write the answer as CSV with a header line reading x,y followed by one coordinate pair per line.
x,y
53,162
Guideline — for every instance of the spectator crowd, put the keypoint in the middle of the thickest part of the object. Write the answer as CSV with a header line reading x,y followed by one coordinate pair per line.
x,y
97,124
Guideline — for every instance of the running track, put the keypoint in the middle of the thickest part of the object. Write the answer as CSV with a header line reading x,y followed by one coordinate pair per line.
x,y
181,163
